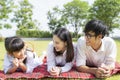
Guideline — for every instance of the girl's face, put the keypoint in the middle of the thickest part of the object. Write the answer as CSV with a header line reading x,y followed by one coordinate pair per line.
x,y
59,44
19,54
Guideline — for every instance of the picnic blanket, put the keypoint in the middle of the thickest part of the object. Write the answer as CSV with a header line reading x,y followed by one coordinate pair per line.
x,y
41,72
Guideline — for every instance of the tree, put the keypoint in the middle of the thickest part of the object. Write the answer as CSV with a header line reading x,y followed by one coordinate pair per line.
x,y
73,13
55,19
6,7
108,11
76,13
23,16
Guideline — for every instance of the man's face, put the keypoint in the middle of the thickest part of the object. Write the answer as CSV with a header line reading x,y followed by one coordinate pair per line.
x,y
92,39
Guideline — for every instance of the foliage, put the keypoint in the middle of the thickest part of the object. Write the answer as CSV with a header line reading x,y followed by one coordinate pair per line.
x,y
34,33
23,16
6,8
108,11
73,15
55,19
76,13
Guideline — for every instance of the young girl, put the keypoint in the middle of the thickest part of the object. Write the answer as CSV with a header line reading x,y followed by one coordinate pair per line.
x,y
60,53
18,57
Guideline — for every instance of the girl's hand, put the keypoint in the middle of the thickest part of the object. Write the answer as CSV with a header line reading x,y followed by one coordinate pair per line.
x,y
21,64
16,62
21,60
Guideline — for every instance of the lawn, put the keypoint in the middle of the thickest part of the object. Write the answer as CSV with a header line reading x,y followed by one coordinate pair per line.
x,y
40,46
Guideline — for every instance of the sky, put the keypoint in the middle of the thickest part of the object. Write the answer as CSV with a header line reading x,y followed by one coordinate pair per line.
x,y
40,9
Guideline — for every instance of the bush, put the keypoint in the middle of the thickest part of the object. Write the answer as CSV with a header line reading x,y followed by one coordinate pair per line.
x,y
34,33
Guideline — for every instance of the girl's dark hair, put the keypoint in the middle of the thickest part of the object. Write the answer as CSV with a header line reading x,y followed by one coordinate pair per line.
x,y
13,44
65,36
96,26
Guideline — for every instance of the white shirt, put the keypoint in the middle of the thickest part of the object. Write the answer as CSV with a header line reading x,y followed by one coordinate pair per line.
x,y
105,55
53,60
32,61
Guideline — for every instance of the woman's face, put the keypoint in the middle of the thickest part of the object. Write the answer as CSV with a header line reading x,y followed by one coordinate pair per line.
x,y
59,44
19,54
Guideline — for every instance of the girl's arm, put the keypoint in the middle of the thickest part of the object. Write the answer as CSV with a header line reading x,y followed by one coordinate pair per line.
x,y
15,66
23,66
12,70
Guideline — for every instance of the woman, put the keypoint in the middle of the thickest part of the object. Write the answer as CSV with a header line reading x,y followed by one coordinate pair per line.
x,y
60,53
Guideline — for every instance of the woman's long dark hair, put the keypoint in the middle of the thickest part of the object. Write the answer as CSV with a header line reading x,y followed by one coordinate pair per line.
x,y
65,36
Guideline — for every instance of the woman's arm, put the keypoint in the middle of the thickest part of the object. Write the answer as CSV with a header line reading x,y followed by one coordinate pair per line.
x,y
66,67
50,57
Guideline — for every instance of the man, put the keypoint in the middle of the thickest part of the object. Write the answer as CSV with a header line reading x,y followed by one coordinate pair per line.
x,y
96,53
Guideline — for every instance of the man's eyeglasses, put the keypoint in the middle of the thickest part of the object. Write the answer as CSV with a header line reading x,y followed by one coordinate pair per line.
x,y
89,35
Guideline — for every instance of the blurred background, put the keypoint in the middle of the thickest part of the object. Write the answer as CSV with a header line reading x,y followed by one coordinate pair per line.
x,y
39,18
35,20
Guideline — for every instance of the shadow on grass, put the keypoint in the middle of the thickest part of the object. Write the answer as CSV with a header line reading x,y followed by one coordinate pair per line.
x,y
1,59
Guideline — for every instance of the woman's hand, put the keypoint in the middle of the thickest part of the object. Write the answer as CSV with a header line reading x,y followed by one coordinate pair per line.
x,y
55,71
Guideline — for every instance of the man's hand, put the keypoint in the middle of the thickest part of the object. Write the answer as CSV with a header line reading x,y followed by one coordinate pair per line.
x,y
102,72
107,71
99,72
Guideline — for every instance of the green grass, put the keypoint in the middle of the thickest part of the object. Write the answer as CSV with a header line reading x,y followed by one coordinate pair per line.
x,y
40,46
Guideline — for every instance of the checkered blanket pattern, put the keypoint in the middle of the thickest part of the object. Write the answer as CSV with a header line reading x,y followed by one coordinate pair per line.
x,y
41,72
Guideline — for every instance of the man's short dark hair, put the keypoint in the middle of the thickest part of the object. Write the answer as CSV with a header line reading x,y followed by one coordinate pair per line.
x,y
96,26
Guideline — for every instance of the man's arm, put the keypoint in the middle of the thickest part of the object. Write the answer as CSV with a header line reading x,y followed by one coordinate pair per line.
x,y
87,69
98,72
